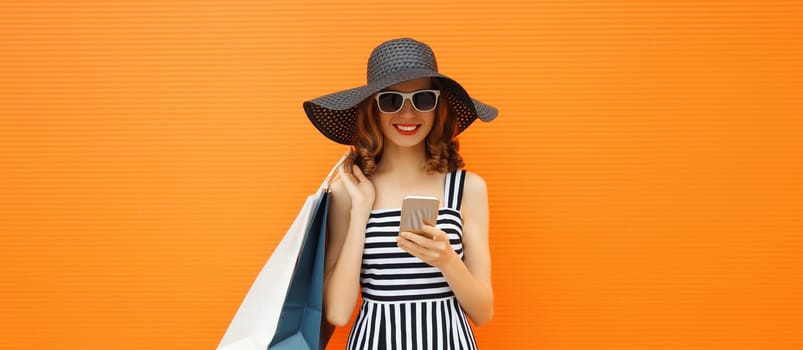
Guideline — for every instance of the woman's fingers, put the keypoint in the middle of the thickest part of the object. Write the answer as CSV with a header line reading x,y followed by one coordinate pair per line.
x,y
433,252
407,241
424,241
359,188
358,173
428,229
348,178
342,170
354,177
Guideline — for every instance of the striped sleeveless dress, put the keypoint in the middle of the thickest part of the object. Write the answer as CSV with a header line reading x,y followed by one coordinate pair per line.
x,y
406,303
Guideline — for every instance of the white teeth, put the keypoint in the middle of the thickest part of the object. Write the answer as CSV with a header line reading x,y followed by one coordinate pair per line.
x,y
406,128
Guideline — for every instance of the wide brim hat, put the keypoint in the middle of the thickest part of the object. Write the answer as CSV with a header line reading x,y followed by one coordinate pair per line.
x,y
392,62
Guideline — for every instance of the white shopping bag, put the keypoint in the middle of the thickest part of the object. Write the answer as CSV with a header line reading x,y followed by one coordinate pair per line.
x,y
254,324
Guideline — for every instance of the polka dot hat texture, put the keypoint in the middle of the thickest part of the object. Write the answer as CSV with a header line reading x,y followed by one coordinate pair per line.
x,y
392,62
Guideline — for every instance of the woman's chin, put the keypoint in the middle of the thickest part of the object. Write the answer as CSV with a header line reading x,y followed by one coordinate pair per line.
x,y
404,141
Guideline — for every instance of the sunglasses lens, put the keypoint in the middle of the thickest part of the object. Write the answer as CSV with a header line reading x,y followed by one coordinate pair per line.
x,y
425,100
390,102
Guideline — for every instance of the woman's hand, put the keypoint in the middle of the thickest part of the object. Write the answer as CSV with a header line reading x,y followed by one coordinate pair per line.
x,y
430,244
360,189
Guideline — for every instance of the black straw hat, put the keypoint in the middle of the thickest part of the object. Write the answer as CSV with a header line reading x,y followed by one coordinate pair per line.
x,y
392,62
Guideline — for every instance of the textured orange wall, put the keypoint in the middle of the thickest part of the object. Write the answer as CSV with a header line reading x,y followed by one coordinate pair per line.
x,y
644,171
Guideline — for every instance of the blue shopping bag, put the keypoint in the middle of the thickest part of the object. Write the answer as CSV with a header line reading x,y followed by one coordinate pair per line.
x,y
301,323
283,307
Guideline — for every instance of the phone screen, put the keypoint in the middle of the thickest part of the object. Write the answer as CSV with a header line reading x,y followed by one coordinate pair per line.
x,y
416,209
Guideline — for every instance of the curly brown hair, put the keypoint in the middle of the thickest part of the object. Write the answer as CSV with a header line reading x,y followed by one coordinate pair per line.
x,y
441,144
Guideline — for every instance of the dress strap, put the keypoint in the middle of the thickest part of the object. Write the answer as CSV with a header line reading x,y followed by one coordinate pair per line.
x,y
453,189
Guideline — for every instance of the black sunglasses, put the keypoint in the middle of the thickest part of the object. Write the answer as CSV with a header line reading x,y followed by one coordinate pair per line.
x,y
393,101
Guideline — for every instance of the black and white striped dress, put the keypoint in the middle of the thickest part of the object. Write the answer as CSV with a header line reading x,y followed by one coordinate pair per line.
x,y
407,303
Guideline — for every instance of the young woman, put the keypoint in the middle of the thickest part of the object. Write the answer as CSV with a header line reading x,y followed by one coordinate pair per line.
x,y
416,287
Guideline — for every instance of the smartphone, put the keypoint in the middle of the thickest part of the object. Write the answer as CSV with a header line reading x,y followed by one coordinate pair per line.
x,y
416,209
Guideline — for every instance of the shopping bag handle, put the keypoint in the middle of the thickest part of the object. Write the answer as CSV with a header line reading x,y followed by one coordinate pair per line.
x,y
328,180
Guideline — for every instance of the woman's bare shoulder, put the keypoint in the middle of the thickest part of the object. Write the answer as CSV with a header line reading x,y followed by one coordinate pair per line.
x,y
475,184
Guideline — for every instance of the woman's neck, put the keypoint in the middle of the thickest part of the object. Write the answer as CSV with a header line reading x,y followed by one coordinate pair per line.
x,y
403,162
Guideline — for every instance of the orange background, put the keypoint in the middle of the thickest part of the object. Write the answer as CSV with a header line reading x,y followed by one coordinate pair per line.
x,y
644,172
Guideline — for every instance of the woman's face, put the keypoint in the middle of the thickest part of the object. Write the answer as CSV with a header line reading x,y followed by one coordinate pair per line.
x,y
407,127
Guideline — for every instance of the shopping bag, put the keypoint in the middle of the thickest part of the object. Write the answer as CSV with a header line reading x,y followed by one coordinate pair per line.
x,y
256,321
300,321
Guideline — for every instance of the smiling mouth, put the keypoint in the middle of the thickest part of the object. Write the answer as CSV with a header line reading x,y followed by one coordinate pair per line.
x,y
407,129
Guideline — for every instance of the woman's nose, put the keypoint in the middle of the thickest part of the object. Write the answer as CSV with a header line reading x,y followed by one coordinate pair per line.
x,y
407,109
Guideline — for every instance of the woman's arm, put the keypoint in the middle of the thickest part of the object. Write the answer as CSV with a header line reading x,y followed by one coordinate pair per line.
x,y
470,278
346,229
